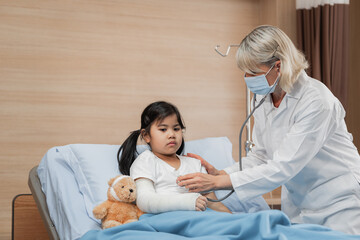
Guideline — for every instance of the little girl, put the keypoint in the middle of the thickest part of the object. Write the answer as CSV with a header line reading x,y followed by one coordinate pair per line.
x,y
155,172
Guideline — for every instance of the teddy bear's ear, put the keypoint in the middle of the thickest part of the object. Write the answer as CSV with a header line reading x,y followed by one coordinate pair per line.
x,y
110,182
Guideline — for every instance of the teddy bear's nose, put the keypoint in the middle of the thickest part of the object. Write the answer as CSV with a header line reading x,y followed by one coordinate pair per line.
x,y
131,190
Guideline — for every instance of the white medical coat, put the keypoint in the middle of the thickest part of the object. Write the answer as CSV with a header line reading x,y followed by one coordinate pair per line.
x,y
304,146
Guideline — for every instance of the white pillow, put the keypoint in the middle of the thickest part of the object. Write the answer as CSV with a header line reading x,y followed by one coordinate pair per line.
x,y
94,165
217,151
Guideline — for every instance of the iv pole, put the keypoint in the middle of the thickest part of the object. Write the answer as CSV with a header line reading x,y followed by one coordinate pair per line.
x,y
248,143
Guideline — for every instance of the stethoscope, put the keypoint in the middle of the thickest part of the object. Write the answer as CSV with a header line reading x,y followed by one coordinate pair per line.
x,y
243,125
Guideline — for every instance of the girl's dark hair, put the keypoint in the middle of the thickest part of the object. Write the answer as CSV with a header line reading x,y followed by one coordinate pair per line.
x,y
156,111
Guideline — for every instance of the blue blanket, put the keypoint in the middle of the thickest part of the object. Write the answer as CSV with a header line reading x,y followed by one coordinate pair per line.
x,y
210,225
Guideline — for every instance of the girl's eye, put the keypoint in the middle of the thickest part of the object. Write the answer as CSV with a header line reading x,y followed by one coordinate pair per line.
x,y
177,129
162,129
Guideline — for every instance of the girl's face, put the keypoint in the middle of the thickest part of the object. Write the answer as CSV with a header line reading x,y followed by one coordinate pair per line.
x,y
165,137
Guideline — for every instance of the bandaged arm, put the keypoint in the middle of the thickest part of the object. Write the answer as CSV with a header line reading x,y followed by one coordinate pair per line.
x,y
148,200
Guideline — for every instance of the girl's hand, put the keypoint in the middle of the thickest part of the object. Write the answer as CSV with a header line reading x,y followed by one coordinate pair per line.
x,y
209,168
201,203
217,206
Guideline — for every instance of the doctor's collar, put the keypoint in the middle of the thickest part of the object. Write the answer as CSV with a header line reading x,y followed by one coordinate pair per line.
x,y
296,91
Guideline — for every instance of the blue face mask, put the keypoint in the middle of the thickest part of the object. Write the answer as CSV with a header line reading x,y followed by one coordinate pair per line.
x,y
259,84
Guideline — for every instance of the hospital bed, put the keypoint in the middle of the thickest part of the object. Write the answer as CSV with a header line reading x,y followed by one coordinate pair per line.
x,y
73,179
70,180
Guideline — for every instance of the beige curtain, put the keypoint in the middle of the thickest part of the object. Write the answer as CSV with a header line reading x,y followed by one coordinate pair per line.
x,y
323,35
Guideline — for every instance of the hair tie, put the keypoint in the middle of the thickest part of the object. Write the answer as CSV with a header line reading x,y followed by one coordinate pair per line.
x,y
136,132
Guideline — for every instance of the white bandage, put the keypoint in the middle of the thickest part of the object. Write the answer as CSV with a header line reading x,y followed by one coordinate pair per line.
x,y
112,191
151,202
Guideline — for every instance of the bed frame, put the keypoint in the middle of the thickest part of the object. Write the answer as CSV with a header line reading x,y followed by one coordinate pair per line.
x,y
40,200
26,219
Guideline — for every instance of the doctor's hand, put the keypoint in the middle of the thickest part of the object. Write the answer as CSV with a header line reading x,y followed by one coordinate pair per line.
x,y
202,182
209,168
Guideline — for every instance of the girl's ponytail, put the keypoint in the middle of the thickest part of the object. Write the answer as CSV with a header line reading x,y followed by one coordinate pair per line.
x,y
128,152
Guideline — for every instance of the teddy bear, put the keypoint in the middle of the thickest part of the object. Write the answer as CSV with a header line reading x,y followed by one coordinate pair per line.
x,y
119,208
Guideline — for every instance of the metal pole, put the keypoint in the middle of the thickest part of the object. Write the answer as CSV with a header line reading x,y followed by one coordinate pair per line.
x,y
248,143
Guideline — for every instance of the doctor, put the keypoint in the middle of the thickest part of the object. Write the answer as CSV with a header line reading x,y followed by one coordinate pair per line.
x,y
301,140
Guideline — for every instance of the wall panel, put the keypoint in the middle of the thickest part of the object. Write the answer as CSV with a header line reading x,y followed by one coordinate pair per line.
x,y
82,72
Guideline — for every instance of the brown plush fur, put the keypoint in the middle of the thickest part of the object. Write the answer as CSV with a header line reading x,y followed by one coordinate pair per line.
x,y
112,212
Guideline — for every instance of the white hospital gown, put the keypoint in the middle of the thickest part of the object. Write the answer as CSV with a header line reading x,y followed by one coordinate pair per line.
x,y
148,165
158,190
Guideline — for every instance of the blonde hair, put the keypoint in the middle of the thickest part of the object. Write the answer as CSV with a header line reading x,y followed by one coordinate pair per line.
x,y
264,46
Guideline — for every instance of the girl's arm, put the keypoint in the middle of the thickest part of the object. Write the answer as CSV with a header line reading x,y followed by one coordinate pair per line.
x,y
151,202
217,206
